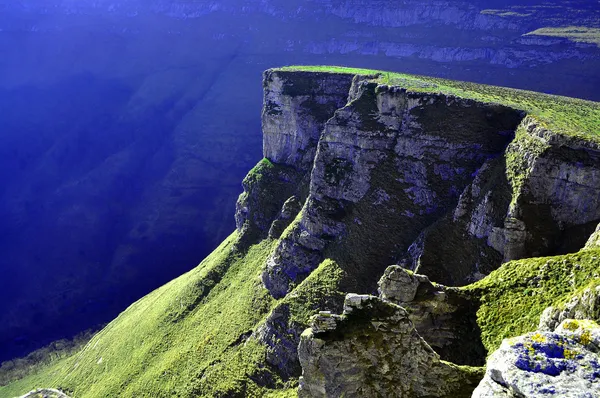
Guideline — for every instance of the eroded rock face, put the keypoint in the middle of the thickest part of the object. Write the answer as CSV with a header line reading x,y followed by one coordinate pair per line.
x,y
540,198
387,165
565,363
445,317
372,350
296,107
556,206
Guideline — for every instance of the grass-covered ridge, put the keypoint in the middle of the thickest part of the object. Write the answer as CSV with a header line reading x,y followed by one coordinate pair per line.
x,y
565,115
514,296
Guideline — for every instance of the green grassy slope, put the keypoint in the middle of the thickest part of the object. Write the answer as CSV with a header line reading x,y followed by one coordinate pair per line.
x,y
561,114
184,339
514,296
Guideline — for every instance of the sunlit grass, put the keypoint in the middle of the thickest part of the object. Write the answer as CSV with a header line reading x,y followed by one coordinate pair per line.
x,y
578,34
566,115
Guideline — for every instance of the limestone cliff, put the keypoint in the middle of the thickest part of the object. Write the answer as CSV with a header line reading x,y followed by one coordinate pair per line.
x,y
445,185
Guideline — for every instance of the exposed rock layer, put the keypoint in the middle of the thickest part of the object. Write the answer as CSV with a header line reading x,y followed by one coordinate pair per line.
x,y
372,350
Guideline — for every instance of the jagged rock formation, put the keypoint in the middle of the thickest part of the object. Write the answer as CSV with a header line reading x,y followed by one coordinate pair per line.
x,y
372,350
445,317
564,363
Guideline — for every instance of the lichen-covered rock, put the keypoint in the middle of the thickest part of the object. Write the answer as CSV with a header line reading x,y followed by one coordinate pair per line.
x,y
565,363
373,350
399,285
445,317
582,306
45,393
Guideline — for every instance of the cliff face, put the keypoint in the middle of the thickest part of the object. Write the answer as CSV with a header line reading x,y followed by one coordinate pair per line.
x,y
446,186
410,176
387,165
539,199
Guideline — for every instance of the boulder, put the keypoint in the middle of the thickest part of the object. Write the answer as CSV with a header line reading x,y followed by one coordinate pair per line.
x,y
564,363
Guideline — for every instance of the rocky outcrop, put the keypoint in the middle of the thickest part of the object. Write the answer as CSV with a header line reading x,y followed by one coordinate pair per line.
x,y
444,317
296,107
565,363
539,199
45,393
380,344
582,306
371,350
266,188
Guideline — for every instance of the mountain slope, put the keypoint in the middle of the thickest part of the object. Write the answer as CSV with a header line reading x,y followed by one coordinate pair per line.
x,y
352,155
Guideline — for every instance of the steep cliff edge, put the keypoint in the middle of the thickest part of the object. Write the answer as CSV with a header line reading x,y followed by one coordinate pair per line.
x,y
367,177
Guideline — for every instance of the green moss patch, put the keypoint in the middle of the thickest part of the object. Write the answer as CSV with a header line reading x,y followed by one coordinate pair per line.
x,y
514,296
